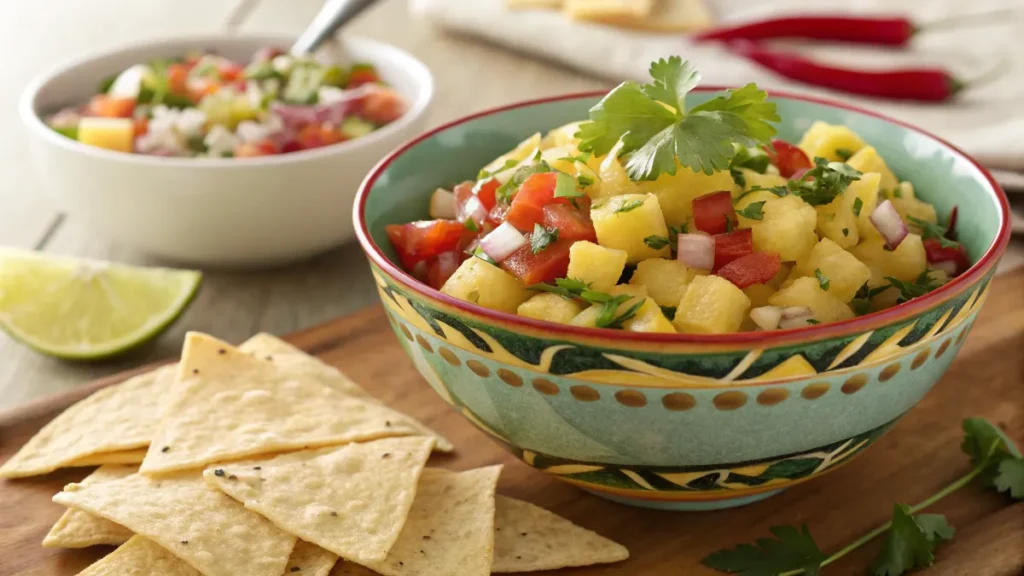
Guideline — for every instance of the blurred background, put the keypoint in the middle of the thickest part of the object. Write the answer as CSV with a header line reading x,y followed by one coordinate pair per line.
x,y
483,53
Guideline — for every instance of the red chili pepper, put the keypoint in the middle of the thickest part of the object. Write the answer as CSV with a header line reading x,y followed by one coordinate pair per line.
x,y
755,268
888,31
929,84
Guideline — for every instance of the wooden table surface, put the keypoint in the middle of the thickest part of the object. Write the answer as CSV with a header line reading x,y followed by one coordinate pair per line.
x,y
469,75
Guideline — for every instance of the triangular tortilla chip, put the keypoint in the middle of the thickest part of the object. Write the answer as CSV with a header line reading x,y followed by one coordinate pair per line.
x,y
121,457
310,560
295,361
116,418
227,405
529,538
140,556
450,529
194,521
80,529
351,500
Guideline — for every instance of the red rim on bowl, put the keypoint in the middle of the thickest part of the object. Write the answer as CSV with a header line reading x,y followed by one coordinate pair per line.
x,y
776,337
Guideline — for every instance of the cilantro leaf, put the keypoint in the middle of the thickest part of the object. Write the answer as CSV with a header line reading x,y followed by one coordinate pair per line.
x,y
989,447
1010,478
844,153
749,106
858,204
823,280
506,191
752,211
584,181
479,253
627,113
629,206
738,177
910,290
754,159
823,183
470,224
929,230
542,238
609,316
673,78
911,541
790,550
568,288
509,164
846,232
656,242
582,157
565,186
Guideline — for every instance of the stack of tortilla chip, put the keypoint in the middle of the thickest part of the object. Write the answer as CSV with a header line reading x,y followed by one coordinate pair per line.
x,y
649,15
264,461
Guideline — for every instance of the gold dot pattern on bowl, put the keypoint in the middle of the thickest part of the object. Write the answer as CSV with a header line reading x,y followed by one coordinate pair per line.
x,y
478,368
678,401
405,331
449,356
631,398
772,396
509,377
942,348
815,390
888,372
423,342
854,383
584,393
962,336
920,359
730,400
545,386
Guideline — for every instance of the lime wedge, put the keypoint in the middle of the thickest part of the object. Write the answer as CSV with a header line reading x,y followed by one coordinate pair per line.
x,y
87,309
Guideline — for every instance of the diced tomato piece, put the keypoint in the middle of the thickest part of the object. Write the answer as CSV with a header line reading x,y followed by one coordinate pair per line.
x,y
291,146
229,71
572,223
197,88
712,211
440,269
177,78
254,149
141,125
787,158
528,204
418,241
107,107
318,135
485,190
935,253
545,266
362,75
732,245
382,106
754,268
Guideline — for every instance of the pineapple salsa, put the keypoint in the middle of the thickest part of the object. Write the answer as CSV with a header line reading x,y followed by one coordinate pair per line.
x,y
205,105
647,218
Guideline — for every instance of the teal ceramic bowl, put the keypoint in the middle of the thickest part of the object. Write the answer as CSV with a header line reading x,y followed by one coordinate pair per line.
x,y
671,420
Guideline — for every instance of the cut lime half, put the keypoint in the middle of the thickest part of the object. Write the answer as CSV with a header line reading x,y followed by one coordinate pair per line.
x,y
87,309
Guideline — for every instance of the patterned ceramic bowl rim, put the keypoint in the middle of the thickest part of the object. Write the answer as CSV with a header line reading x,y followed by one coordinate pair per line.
x,y
760,339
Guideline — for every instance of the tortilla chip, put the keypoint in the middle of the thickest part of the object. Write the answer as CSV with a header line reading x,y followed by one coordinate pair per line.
x,y
295,361
117,418
140,556
194,521
122,457
351,500
310,560
529,538
664,15
228,405
532,4
603,9
450,529
80,529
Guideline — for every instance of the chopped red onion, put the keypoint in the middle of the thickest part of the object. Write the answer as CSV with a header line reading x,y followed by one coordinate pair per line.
x,y
448,263
947,266
766,317
795,317
471,208
889,224
334,112
502,241
697,251
442,204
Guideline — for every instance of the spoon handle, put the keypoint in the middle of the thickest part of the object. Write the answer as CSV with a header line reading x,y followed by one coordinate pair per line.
x,y
332,16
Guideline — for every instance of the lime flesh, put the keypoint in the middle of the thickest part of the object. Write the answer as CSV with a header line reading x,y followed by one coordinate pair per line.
x,y
87,309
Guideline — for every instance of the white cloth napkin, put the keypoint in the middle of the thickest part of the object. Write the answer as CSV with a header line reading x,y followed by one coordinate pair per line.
x,y
987,122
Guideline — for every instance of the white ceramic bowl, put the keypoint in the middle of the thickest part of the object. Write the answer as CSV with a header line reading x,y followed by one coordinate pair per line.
x,y
216,212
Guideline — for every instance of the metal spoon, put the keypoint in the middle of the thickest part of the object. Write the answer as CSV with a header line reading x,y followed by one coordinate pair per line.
x,y
332,16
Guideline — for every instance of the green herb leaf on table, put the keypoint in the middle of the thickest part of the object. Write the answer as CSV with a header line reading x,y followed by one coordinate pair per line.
x,y
790,550
656,242
506,191
911,541
542,238
989,447
753,211
656,131
823,280
1010,478
929,230
565,186
629,206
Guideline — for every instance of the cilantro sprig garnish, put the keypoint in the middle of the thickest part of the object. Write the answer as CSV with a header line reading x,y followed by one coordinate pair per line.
x,y
609,315
929,230
911,537
754,159
542,237
657,132
819,185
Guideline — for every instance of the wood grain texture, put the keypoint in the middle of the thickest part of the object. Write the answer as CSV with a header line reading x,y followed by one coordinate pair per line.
x,y
917,458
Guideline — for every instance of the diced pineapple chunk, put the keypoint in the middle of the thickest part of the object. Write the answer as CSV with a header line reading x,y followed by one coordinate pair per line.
x,y
648,318
110,133
787,228
837,223
753,179
588,317
561,136
806,292
487,285
907,205
549,307
676,192
823,140
747,199
759,294
862,199
868,160
622,223
711,305
664,279
844,272
596,265
906,262
522,151
557,158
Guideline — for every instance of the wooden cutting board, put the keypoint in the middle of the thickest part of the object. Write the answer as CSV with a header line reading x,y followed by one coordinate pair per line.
x,y
919,456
